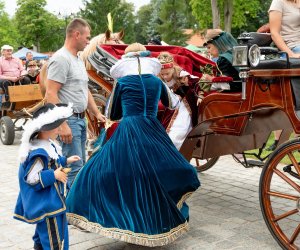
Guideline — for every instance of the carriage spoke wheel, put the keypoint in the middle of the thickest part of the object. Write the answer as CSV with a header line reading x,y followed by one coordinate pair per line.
x,y
93,129
205,164
280,194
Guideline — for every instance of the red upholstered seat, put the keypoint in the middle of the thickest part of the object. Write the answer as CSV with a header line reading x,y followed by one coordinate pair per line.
x,y
186,59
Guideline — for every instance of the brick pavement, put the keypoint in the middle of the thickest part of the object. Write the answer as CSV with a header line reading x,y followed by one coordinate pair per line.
x,y
225,212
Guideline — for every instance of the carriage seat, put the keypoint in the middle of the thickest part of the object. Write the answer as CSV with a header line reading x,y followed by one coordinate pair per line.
x,y
294,63
261,39
278,63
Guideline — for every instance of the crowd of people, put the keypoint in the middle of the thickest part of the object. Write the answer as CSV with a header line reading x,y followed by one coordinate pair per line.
x,y
14,71
135,188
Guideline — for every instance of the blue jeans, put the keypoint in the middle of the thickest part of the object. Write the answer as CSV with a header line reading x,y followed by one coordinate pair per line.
x,y
77,147
296,49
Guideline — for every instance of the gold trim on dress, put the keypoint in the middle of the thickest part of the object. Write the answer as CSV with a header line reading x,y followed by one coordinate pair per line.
x,y
183,199
172,120
126,235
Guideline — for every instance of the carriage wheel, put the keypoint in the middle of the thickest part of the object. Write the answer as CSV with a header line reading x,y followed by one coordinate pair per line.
x,y
100,102
7,130
93,129
205,164
280,195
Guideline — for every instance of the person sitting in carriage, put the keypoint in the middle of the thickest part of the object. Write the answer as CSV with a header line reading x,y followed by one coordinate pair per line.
x,y
11,71
219,45
179,122
33,71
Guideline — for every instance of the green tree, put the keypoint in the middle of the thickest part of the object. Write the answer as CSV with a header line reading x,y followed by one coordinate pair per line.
x,y
173,22
54,34
238,10
154,19
261,18
8,31
95,12
142,24
37,26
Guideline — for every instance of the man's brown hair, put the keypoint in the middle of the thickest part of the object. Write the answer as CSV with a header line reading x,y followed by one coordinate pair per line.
x,y
77,24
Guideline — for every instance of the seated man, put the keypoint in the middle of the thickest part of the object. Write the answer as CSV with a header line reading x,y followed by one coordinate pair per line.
x,y
11,71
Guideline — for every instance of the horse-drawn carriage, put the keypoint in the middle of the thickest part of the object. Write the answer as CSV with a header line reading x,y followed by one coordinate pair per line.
x,y
231,123
21,99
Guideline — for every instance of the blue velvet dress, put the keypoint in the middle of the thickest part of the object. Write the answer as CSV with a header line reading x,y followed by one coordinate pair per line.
x,y
134,189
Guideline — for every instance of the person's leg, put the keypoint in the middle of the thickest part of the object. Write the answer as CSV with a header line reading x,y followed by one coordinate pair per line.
x,y
273,146
37,242
4,86
53,233
25,80
296,49
77,147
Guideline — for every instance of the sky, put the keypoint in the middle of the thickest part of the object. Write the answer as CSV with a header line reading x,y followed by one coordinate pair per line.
x,y
65,7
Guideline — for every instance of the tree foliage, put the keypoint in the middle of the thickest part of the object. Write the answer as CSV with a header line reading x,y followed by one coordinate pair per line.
x,y
242,11
172,15
261,18
8,32
95,12
142,24
37,26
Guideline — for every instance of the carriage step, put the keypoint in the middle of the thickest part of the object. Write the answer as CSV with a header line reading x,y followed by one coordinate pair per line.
x,y
253,163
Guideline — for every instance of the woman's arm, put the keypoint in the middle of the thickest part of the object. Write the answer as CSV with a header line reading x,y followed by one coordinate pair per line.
x,y
275,18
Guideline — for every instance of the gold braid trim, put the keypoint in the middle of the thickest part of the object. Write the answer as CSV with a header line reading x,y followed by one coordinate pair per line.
x,y
126,235
172,120
183,199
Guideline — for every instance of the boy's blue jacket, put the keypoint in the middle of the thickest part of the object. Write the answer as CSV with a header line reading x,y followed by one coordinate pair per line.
x,y
45,198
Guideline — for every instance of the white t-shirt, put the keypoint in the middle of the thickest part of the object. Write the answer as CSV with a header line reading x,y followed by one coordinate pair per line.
x,y
290,23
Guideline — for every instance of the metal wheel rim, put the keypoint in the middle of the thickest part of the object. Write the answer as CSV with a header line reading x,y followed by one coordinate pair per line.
x,y
3,131
272,171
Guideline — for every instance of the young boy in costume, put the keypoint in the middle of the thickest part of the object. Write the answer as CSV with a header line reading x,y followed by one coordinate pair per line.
x,y
42,178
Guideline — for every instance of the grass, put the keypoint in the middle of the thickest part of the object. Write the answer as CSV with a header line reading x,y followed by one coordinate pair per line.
x,y
270,141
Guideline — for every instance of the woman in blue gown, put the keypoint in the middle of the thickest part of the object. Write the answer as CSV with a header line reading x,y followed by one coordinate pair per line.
x,y
134,188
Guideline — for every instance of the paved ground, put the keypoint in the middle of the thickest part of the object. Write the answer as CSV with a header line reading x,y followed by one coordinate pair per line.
x,y
225,212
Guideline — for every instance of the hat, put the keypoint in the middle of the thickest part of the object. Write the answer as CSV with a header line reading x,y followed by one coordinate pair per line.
x,y
155,41
212,34
6,47
46,118
32,63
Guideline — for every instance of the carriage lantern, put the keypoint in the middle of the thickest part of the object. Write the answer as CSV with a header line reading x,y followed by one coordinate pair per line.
x,y
245,54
